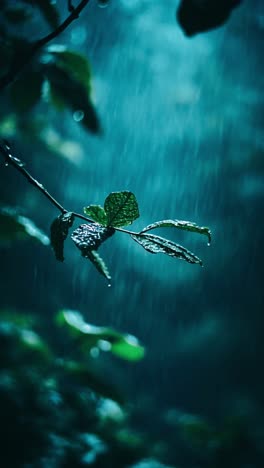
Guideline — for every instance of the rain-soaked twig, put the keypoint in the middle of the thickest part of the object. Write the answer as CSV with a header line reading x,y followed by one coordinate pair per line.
x,y
19,165
18,65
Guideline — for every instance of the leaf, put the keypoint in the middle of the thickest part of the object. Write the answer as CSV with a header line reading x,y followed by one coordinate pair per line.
x,y
74,94
58,233
26,91
121,208
74,63
83,375
185,225
99,263
122,345
199,16
48,11
156,244
89,237
32,343
14,227
97,213
128,348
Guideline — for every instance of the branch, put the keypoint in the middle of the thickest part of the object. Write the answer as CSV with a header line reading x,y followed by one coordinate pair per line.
x,y
18,66
20,167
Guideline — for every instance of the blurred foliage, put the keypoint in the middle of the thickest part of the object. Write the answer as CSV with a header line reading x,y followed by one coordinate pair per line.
x,y
89,337
56,408
53,75
195,16
15,227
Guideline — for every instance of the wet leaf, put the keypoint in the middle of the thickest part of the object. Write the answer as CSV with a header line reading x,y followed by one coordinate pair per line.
x,y
99,263
66,88
48,11
32,343
156,244
97,213
83,375
88,237
58,233
185,225
14,227
74,63
124,346
25,92
128,348
121,208
196,16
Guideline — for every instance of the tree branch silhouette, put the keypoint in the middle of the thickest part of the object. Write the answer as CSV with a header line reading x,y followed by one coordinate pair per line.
x,y
19,65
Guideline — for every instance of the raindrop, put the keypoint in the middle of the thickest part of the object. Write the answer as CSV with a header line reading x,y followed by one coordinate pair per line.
x,y
102,3
109,285
6,164
78,115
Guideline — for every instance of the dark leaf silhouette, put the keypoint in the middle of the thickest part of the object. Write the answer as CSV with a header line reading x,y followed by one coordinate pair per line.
x,y
196,16
59,232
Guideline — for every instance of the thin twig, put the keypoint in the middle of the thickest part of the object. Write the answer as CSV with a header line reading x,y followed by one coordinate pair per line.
x,y
11,75
20,167
70,6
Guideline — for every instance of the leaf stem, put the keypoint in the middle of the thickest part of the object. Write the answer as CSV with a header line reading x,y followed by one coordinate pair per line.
x,y
18,66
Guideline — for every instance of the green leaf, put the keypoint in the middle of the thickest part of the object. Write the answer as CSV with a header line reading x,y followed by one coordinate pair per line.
x,y
99,263
74,94
121,208
156,244
26,91
58,233
48,11
97,213
32,343
14,227
185,225
83,375
74,63
55,100
128,348
124,346
88,237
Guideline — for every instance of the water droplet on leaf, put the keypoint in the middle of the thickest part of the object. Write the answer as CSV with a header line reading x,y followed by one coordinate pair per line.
x,y
78,115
